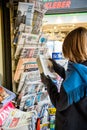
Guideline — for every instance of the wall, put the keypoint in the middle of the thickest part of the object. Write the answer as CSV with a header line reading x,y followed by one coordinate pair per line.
x,y
66,18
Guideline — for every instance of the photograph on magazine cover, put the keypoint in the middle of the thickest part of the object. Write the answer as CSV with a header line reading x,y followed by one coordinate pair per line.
x,y
24,14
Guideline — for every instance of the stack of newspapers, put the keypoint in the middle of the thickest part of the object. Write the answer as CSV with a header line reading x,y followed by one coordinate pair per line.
x,y
30,42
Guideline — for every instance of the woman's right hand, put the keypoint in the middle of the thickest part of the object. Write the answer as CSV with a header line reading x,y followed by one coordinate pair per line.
x,y
60,70
45,79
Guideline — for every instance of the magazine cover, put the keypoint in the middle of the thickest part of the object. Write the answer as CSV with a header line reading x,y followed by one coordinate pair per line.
x,y
29,89
18,119
4,112
23,39
37,22
32,39
29,77
41,108
32,88
24,14
22,29
38,5
20,44
33,77
42,111
33,99
6,95
27,64
30,66
33,50
29,52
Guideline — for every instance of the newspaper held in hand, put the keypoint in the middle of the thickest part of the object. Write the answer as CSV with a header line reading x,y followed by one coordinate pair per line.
x,y
45,66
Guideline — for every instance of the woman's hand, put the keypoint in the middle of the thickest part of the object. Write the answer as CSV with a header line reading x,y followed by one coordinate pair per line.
x,y
45,79
60,70
53,62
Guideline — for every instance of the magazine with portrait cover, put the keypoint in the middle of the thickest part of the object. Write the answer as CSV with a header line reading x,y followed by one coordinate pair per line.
x,y
23,22
24,14
18,119
6,95
39,12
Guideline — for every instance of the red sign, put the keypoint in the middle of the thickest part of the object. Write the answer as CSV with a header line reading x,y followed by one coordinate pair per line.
x,y
58,5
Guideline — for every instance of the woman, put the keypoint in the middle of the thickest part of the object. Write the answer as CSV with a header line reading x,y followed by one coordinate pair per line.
x,y
71,102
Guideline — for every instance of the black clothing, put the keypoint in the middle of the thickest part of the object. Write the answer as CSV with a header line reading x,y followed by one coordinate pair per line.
x,y
68,117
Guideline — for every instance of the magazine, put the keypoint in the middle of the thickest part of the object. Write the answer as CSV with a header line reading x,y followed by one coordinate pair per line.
x,y
22,29
20,44
32,88
24,64
33,77
29,52
32,39
42,111
4,112
24,14
33,99
43,105
29,77
44,66
25,38
6,95
38,5
18,119
37,22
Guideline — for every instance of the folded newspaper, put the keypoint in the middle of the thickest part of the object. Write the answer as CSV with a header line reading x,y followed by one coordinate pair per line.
x,y
45,65
20,120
